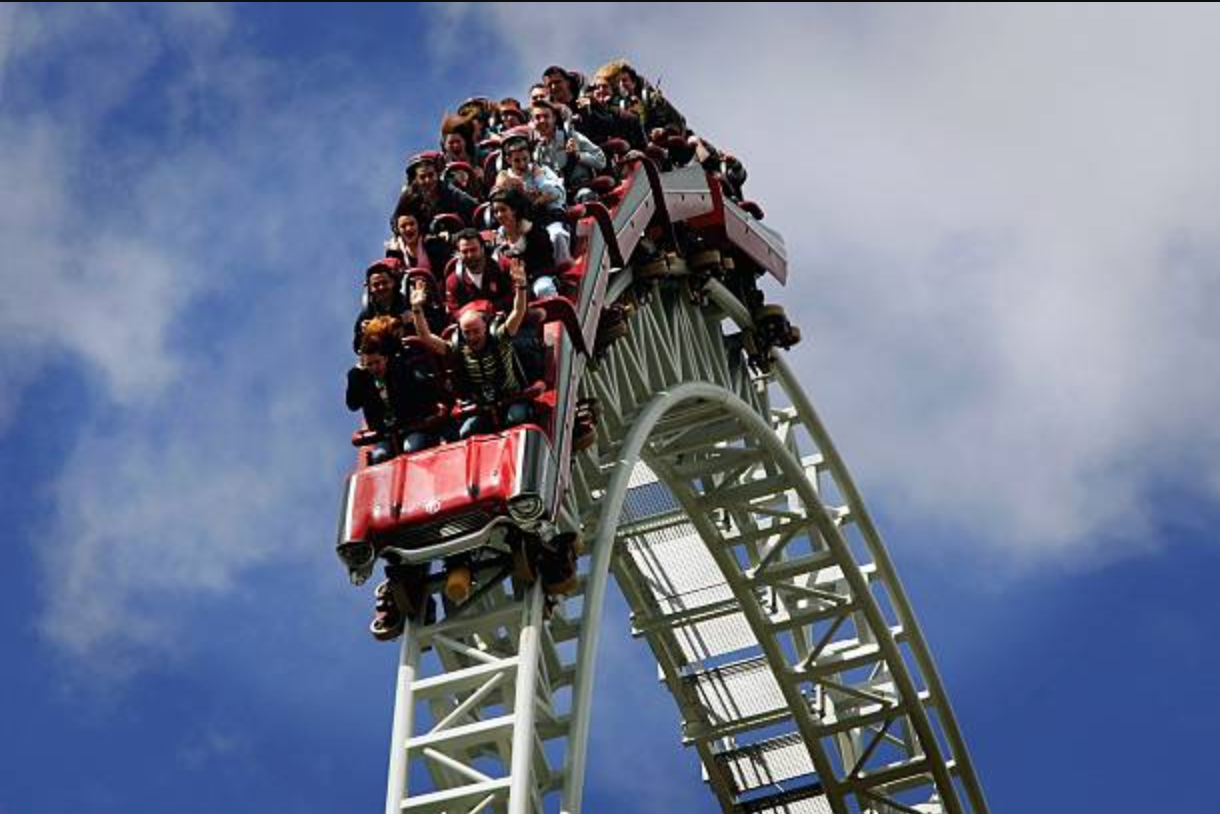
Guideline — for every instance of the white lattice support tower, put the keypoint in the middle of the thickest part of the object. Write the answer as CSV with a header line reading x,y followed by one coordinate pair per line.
x,y
489,690
716,499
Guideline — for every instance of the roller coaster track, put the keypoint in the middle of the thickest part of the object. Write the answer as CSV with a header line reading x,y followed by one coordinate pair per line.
x,y
715,498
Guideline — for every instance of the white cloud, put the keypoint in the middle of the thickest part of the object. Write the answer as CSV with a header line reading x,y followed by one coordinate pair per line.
x,y
1007,265
201,269
1001,228
83,275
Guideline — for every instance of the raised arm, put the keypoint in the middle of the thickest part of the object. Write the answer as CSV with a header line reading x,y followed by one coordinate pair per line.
x,y
419,297
516,270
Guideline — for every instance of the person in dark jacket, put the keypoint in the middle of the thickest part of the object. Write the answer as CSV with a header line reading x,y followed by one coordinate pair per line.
x,y
598,119
562,85
398,395
518,238
385,297
636,95
409,238
436,197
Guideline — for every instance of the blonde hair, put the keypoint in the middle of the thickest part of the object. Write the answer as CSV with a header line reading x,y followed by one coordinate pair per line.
x,y
612,70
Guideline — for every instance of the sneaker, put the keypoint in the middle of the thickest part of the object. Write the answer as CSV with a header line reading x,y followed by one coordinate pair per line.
x,y
611,327
584,431
389,619
457,584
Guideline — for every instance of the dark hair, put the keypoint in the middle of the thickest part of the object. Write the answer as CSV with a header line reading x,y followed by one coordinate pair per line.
x,y
427,157
372,271
574,79
514,142
411,204
461,125
374,346
545,105
468,234
387,265
515,113
514,198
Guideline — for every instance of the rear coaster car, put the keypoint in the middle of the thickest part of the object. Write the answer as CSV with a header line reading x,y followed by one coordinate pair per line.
x,y
448,500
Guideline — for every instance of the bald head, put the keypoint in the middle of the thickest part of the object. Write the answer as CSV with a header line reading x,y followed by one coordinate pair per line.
x,y
473,326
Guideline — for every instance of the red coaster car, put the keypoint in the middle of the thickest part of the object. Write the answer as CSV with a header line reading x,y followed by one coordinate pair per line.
x,y
449,499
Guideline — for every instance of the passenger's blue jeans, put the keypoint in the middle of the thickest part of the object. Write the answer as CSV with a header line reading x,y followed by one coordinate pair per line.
x,y
415,441
382,451
517,413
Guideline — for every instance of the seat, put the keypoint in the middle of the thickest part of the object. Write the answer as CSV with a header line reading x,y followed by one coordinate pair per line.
x,y
615,149
481,219
446,224
657,153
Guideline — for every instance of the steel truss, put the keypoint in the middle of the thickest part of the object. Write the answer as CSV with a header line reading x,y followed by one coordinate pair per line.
x,y
717,501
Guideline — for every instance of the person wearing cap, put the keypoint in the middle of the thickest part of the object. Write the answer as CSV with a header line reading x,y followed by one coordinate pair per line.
x,y
565,150
436,196
381,279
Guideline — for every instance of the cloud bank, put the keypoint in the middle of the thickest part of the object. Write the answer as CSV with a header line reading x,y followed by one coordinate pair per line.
x,y
178,256
1002,236
999,218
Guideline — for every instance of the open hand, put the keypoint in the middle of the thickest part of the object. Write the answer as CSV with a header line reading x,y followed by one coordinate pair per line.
x,y
516,270
419,294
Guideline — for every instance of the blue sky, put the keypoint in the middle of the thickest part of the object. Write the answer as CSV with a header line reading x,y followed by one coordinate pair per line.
x,y
1004,261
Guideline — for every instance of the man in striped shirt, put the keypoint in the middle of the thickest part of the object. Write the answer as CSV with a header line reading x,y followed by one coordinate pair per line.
x,y
490,375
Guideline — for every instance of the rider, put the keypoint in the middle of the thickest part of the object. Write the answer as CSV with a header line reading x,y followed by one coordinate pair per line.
x,y
489,371
401,400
